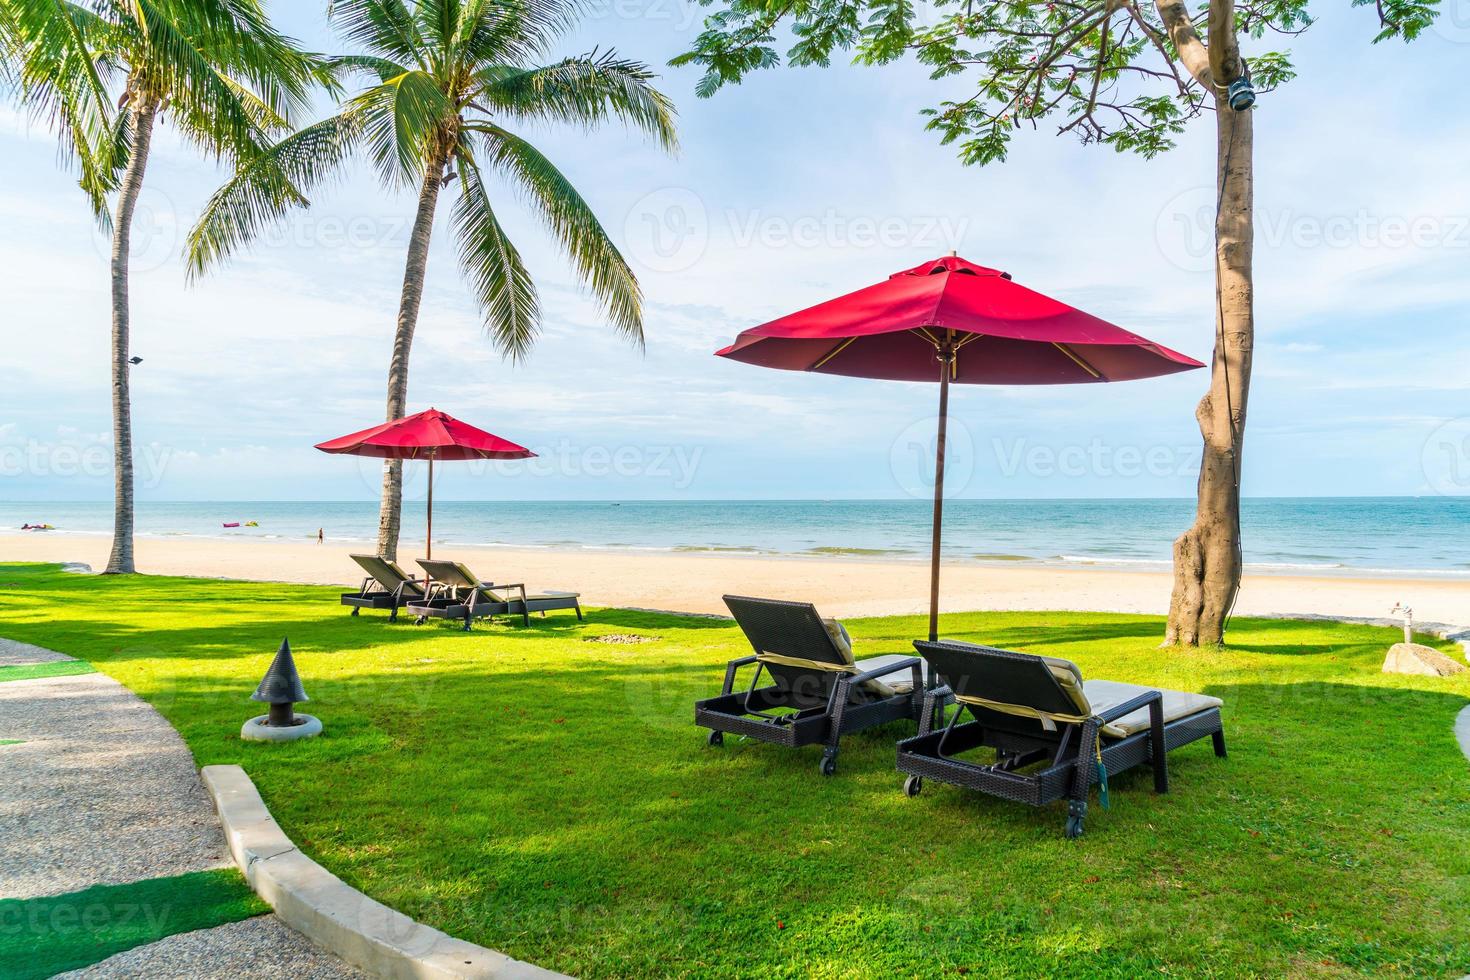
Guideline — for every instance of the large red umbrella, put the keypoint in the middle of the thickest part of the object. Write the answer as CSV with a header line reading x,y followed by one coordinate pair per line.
x,y
953,321
428,435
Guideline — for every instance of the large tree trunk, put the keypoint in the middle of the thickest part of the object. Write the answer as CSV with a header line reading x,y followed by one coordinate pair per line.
x,y
120,561
389,516
1207,557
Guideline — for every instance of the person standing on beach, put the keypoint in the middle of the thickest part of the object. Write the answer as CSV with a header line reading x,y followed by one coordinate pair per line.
x,y
319,536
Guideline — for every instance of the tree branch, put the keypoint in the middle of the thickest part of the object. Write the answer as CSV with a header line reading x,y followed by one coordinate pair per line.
x,y
1192,51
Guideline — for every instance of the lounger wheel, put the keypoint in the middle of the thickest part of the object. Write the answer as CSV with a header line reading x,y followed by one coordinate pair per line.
x,y
913,785
1076,811
355,611
716,739
828,765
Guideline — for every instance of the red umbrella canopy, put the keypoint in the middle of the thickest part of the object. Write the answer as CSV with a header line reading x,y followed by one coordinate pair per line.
x,y
427,435
998,332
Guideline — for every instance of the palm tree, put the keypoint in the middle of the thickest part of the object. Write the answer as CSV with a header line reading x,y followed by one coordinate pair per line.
x,y
103,74
444,80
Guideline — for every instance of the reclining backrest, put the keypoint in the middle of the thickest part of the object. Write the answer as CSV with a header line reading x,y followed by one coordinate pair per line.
x,y
784,634
384,572
1046,685
449,573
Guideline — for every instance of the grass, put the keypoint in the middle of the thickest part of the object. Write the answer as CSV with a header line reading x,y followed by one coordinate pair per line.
x,y
40,937
548,796
55,668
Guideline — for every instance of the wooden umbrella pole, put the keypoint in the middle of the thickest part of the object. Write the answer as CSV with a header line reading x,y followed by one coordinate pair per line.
x,y
946,359
429,534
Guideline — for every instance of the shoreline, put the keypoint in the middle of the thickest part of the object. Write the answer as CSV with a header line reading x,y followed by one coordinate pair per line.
x,y
1062,563
694,582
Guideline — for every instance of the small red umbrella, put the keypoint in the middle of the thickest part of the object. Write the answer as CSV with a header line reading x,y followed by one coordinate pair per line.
x,y
428,435
953,321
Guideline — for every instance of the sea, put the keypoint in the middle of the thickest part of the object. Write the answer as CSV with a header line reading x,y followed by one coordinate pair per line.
x,y
1386,536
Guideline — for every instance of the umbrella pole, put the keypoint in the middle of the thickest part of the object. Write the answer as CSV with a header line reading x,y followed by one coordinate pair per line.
x,y
429,533
946,359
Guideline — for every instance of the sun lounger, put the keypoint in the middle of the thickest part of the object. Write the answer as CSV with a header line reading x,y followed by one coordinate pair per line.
x,y
1054,735
457,593
386,587
817,692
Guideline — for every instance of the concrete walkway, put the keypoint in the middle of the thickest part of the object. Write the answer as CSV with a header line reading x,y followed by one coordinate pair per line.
x,y
101,790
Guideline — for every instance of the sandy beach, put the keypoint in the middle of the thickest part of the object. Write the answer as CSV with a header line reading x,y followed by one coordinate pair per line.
x,y
694,583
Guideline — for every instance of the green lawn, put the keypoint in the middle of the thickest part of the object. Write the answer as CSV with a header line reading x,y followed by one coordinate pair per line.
x,y
40,937
548,796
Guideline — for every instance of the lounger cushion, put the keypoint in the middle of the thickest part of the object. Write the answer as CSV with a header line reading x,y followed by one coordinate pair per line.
x,y
840,639
843,642
1177,704
1069,676
901,681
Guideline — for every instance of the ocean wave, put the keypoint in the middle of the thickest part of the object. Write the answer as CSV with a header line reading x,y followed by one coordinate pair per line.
x,y
1108,560
723,549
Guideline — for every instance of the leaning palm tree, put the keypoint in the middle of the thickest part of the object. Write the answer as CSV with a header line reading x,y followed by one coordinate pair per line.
x,y
444,80
103,74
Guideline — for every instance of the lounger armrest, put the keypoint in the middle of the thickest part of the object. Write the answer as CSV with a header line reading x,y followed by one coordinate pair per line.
x,y
1131,705
883,671
730,670
507,586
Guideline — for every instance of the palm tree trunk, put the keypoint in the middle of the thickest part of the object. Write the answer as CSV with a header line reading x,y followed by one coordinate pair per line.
x,y
1207,557
120,561
389,515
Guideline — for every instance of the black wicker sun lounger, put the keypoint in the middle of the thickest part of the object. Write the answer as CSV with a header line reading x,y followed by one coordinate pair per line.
x,y
1054,735
457,593
386,587
817,692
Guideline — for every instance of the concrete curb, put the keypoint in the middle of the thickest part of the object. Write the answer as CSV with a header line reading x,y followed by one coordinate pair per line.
x,y
341,919
1462,733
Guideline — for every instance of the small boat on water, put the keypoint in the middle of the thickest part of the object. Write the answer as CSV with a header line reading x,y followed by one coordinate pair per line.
x,y
232,524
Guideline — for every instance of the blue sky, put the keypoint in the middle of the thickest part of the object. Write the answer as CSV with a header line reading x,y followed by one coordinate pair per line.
x,y
791,188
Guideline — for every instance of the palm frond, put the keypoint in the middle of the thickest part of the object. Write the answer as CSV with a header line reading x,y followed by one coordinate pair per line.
x,y
240,42
372,66
266,187
207,107
401,120
586,91
597,261
492,267
515,31
386,27
60,62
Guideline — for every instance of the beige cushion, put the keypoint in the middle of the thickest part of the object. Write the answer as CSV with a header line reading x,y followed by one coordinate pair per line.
x,y
901,681
1069,676
840,639
843,642
1177,704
